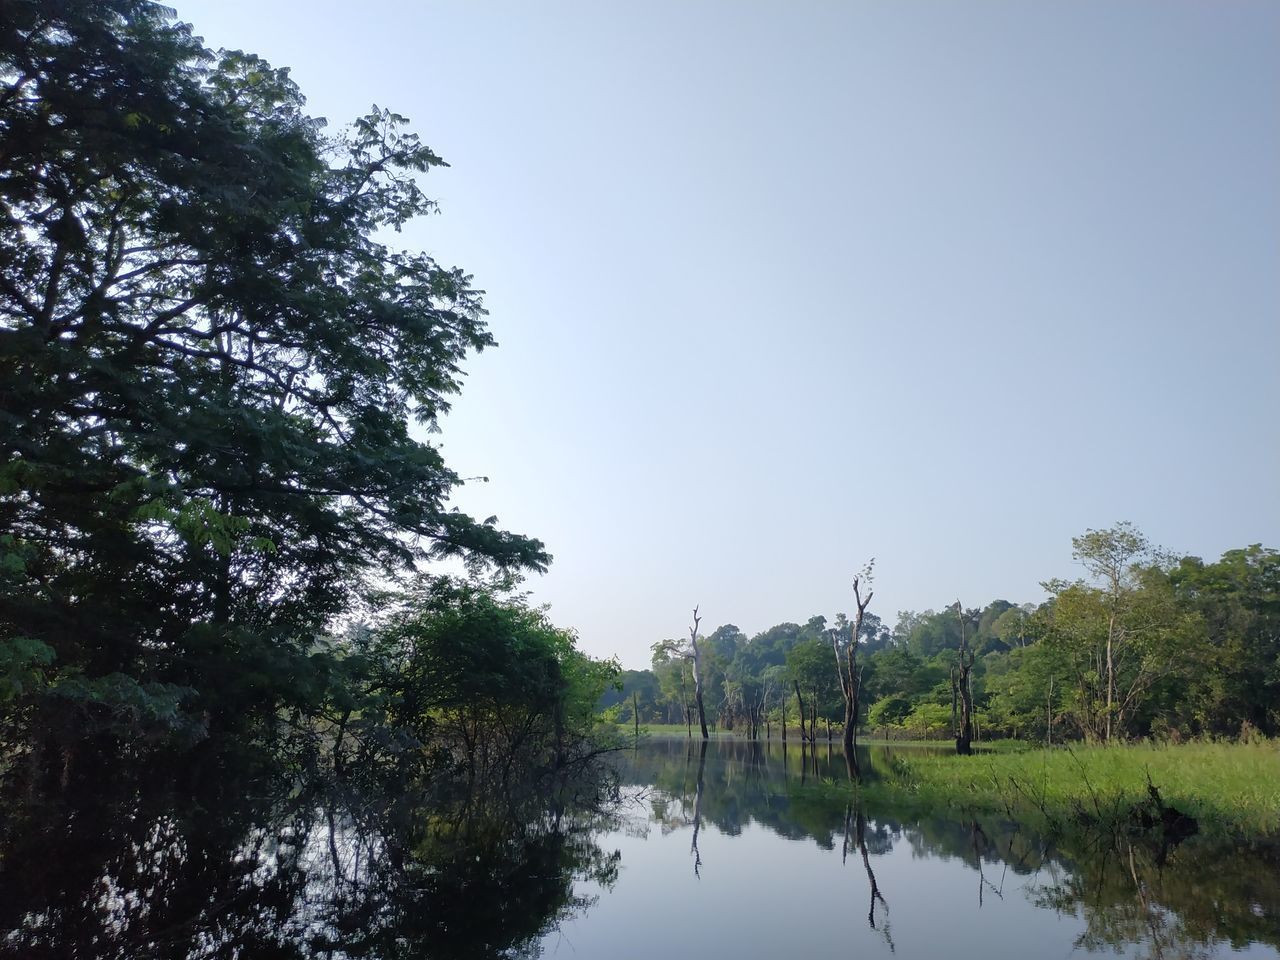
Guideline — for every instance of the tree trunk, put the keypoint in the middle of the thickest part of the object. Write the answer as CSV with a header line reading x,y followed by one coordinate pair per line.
x,y
961,687
800,700
697,674
964,738
850,673
1111,674
1049,711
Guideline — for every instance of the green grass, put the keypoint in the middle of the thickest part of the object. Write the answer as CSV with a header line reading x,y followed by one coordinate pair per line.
x,y
1228,788
671,730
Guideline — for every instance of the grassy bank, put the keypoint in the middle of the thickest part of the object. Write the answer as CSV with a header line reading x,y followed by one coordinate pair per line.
x,y
1228,788
679,730
627,729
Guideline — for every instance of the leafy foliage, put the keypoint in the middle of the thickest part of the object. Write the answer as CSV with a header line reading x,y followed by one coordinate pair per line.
x,y
211,364
1187,648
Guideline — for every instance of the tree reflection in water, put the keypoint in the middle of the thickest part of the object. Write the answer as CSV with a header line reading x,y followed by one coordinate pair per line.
x,y
876,896
234,856
1176,901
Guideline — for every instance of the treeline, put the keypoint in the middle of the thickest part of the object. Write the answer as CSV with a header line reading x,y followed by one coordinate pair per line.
x,y
1144,646
215,379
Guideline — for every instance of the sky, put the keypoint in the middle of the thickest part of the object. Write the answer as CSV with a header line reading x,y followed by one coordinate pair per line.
x,y
782,287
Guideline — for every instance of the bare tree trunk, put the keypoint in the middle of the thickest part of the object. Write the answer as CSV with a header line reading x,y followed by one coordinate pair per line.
x,y
960,684
850,673
697,673
1111,671
955,726
964,738
977,732
635,714
1049,711
800,700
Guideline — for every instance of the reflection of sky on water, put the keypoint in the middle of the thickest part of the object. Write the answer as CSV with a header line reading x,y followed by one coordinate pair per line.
x,y
760,893
129,866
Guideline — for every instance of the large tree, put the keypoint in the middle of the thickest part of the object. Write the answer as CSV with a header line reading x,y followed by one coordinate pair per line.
x,y
1238,598
1112,556
211,359
1127,642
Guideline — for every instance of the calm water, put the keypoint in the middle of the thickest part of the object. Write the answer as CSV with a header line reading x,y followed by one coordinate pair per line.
x,y
734,854
679,852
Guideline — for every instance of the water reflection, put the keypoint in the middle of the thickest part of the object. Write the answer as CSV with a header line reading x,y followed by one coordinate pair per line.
x,y
731,848
233,857
974,887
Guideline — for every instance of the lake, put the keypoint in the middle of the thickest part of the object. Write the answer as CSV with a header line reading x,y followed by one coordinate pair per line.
x,y
735,853
670,850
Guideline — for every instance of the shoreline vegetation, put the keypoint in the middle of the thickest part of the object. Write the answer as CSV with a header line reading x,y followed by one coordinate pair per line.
x,y
1174,790
1228,790
1150,646
1151,685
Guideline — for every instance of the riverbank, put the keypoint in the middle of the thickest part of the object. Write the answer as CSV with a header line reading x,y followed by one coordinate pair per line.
x,y
679,731
1226,788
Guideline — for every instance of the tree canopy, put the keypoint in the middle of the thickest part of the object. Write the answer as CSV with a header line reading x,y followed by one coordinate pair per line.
x,y
1148,646
217,372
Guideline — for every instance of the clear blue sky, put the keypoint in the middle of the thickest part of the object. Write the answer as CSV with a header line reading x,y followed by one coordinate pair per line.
x,y
783,286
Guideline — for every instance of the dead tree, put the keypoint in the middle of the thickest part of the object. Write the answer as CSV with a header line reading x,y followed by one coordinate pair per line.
x,y
962,689
697,673
847,667
692,653
800,700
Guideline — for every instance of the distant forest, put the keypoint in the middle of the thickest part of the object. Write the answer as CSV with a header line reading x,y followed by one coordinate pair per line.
x,y
1147,645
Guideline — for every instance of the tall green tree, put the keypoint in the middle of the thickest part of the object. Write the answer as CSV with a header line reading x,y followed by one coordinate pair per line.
x,y
1238,598
211,362
1127,642
1112,556
809,670
1028,687
487,677
675,680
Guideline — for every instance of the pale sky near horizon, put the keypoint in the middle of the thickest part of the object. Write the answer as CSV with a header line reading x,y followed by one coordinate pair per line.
x,y
782,287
